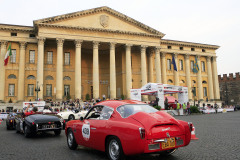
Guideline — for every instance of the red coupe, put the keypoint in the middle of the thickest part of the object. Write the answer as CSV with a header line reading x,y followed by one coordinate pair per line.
x,y
128,127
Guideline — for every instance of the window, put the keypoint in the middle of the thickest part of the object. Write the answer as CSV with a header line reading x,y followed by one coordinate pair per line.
x,y
182,81
181,64
67,78
32,35
13,34
169,47
181,48
205,91
67,59
49,57
204,82
170,81
32,57
192,49
11,90
31,77
192,65
169,66
12,76
13,56
49,90
66,90
203,66
203,50
31,90
49,78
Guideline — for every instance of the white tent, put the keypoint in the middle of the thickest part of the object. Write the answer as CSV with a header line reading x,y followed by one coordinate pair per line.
x,y
160,90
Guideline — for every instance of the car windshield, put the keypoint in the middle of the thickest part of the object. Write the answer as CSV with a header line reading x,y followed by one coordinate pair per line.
x,y
100,112
130,109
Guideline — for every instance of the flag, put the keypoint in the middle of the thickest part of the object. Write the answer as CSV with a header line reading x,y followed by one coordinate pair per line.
x,y
8,54
195,66
174,63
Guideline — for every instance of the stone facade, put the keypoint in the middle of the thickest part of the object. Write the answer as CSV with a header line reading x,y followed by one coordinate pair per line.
x,y
99,51
230,88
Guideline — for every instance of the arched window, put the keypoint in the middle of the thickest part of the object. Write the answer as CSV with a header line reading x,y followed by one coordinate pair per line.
x,y
170,81
204,82
67,78
31,77
12,76
49,78
193,81
182,81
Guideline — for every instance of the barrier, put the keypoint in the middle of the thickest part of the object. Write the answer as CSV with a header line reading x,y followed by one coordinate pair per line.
x,y
193,136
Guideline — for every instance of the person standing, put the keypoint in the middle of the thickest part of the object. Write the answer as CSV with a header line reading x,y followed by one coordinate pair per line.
x,y
188,108
166,103
178,108
184,108
216,107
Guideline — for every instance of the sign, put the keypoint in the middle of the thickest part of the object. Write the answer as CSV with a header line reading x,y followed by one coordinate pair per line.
x,y
135,94
86,131
160,95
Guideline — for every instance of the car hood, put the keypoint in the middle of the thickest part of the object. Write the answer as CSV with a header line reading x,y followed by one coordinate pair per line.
x,y
158,124
38,118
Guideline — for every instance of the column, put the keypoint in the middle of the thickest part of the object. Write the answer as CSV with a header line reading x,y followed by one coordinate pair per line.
x,y
176,75
40,65
157,65
143,65
150,66
210,81
128,70
215,79
199,80
21,72
164,73
2,69
188,78
113,93
78,74
95,70
59,79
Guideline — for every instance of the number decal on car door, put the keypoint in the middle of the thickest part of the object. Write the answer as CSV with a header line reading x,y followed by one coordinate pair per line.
x,y
86,131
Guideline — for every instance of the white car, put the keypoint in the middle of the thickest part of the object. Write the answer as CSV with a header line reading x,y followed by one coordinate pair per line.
x,y
71,115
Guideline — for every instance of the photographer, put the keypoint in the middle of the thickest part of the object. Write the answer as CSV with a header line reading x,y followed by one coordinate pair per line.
x,y
33,111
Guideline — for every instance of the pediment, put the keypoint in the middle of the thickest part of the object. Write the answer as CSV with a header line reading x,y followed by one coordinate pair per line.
x,y
102,18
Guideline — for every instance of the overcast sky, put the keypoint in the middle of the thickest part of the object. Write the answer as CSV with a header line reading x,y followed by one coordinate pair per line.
x,y
214,22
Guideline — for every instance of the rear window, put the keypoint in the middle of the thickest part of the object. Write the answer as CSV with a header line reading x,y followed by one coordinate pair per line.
x,y
131,109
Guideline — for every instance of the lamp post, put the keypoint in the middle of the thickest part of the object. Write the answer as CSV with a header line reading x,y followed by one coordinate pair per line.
x,y
37,89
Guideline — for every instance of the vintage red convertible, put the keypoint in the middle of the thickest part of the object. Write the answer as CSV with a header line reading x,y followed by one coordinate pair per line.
x,y
128,127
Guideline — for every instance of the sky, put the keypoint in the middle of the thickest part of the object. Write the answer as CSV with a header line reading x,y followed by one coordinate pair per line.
x,y
215,22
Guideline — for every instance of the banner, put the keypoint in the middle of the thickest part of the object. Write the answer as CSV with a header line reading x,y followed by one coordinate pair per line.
x,y
39,104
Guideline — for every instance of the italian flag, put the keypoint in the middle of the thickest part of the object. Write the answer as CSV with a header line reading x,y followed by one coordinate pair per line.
x,y
8,54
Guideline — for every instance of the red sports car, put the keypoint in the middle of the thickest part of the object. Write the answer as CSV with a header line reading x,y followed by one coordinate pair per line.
x,y
128,127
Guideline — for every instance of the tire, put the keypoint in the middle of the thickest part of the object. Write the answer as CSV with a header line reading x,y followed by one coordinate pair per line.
x,y
71,117
168,152
57,132
27,132
72,144
114,149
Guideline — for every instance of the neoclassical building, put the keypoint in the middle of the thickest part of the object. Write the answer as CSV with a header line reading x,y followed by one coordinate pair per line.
x,y
99,52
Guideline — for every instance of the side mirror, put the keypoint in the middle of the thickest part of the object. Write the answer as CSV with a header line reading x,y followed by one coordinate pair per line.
x,y
81,118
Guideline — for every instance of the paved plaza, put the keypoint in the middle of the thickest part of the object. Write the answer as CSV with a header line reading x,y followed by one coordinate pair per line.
x,y
219,138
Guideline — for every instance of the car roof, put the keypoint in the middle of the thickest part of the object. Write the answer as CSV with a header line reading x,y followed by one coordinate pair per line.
x,y
116,103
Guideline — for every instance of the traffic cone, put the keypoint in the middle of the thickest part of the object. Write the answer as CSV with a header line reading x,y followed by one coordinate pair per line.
x,y
193,136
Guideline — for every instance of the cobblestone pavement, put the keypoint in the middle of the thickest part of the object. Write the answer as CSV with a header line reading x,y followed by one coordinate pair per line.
x,y
219,138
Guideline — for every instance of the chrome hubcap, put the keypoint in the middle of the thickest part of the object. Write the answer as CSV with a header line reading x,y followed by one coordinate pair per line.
x,y
114,149
70,139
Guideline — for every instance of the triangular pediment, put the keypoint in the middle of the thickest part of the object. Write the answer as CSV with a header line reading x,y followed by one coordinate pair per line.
x,y
102,18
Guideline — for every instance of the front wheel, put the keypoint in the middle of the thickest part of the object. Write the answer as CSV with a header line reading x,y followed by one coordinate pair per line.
x,y
71,117
72,144
114,149
27,132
